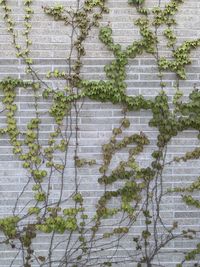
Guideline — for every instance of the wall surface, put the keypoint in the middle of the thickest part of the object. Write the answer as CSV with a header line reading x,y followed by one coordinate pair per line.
x,y
50,48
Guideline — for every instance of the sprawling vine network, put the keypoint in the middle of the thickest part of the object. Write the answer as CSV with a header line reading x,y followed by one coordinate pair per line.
x,y
76,235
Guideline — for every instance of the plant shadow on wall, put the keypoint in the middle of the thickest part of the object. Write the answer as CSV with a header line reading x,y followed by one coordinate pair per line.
x,y
75,234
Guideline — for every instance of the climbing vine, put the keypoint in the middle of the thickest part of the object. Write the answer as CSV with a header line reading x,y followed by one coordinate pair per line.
x,y
130,193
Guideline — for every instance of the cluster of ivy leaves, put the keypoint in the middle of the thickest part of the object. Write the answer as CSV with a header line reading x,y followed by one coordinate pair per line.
x,y
136,179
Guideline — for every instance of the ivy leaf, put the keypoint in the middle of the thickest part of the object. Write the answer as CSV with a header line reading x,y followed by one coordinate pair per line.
x,y
136,2
41,258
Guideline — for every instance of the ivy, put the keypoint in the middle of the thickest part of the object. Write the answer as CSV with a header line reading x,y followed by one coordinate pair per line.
x,y
129,190
8,226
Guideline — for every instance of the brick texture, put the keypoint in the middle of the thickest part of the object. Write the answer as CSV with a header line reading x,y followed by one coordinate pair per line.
x,y
49,50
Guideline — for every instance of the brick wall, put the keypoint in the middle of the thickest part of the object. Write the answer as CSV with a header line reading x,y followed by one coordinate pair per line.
x,y
49,50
